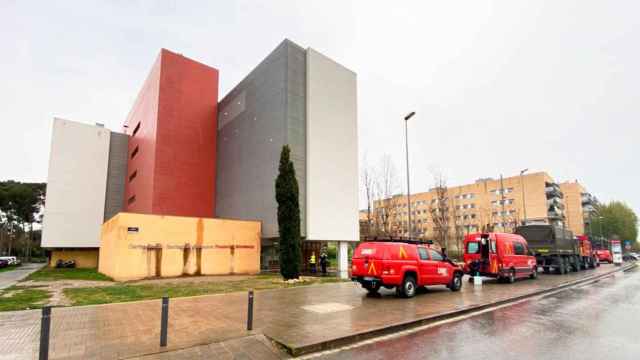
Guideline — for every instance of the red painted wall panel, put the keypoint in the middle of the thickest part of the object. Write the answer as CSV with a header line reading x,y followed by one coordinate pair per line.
x,y
144,113
181,137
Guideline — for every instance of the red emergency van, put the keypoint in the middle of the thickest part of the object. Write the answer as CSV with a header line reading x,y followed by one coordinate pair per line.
x,y
499,255
604,255
404,265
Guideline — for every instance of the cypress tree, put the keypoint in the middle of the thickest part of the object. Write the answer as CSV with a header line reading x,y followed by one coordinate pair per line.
x,y
288,216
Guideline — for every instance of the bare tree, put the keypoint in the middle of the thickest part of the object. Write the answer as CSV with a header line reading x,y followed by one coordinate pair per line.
x,y
485,219
385,186
439,210
369,185
458,219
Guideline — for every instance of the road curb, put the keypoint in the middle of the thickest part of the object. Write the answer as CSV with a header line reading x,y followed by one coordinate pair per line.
x,y
393,328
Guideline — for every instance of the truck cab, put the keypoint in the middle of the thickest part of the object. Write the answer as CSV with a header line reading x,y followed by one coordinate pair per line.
x,y
498,255
403,265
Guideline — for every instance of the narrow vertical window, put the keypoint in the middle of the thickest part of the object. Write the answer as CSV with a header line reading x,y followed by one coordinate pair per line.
x,y
135,131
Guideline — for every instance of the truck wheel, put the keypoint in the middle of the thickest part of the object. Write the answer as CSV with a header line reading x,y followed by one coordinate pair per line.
x,y
534,273
408,287
512,276
456,282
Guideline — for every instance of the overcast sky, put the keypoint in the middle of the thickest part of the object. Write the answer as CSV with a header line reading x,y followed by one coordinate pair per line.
x,y
497,86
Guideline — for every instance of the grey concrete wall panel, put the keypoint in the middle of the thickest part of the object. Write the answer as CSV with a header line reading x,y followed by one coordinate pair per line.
x,y
116,174
262,113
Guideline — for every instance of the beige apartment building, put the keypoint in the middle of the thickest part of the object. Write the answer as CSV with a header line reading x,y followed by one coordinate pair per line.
x,y
485,205
579,207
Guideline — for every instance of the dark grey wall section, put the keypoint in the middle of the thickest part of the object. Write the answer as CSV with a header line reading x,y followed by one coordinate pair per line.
x,y
116,174
265,111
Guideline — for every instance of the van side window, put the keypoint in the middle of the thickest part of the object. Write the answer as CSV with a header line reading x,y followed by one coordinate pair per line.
x,y
472,247
518,249
435,256
423,253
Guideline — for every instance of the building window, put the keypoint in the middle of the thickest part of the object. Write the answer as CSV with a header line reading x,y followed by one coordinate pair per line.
x,y
135,131
131,200
133,176
135,152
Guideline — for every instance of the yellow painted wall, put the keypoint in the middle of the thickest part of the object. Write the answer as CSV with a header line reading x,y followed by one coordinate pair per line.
x,y
84,258
170,246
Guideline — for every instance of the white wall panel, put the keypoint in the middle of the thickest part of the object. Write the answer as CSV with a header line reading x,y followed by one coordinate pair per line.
x,y
332,150
76,185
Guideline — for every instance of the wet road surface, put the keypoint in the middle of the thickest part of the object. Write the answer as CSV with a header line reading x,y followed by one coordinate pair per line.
x,y
599,320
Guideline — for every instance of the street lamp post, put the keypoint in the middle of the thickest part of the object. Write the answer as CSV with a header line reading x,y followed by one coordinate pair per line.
x,y
524,204
406,138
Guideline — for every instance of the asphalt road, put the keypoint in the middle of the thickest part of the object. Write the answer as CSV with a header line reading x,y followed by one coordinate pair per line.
x,y
599,320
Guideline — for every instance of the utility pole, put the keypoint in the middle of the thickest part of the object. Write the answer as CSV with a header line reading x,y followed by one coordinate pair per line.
x,y
524,204
406,138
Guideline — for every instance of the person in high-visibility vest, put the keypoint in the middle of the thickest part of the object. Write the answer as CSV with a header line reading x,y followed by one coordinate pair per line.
x,y
312,262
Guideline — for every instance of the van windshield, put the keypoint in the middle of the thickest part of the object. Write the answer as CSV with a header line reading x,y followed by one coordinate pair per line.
x,y
473,247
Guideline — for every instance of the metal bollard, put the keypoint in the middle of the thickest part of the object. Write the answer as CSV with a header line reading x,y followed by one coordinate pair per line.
x,y
250,311
45,326
164,322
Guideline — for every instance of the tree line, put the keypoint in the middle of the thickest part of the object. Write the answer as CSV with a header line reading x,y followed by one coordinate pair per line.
x,y
614,220
21,214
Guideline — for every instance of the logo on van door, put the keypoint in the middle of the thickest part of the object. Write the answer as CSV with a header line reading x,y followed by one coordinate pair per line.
x,y
443,271
372,269
402,254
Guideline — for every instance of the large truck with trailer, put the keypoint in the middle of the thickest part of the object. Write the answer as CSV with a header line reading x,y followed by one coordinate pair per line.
x,y
556,249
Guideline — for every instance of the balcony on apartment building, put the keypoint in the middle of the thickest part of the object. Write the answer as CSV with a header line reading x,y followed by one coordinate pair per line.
x,y
553,190
587,199
588,209
555,201
555,212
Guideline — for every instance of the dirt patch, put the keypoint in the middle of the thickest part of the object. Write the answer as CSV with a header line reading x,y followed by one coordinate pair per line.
x,y
192,279
56,288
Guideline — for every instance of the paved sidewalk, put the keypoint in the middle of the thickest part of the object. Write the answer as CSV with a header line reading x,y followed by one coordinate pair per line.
x,y
255,347
298,318
10,278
